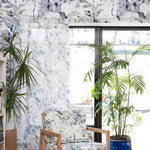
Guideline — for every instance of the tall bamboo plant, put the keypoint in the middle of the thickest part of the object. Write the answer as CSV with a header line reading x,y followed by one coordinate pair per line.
x,y
116,104
21,75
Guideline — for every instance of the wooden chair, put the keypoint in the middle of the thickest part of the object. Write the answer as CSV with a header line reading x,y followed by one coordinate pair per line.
x,y
62,142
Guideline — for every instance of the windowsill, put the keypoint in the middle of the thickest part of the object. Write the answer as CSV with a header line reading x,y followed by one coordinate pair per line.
x,y
86,103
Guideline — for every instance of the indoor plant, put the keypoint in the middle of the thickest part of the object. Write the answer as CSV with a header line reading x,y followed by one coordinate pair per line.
x,y
21,75
116,104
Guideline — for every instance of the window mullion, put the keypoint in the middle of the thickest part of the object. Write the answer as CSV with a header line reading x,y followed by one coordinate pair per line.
x,y
98,72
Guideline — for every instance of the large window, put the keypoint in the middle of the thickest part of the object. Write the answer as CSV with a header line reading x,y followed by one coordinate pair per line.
x,y
125,39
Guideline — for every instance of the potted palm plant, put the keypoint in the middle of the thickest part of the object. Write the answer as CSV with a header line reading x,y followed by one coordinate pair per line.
x,y
22,69
118,80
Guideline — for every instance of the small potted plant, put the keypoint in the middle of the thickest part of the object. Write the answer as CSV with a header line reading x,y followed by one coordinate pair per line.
x,y
116,103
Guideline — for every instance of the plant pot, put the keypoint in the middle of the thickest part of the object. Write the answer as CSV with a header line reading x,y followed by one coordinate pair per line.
x,y
120,143
11,139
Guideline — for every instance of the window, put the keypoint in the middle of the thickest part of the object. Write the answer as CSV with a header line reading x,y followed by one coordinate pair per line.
x,y
125,38
81,59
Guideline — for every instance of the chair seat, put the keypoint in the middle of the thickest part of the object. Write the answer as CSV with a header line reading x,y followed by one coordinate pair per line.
x,y
84,146
79,146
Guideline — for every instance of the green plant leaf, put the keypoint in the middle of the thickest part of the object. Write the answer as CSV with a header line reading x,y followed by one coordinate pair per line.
x,y
12,96
137,82
11,48
24,70
88,75
145,47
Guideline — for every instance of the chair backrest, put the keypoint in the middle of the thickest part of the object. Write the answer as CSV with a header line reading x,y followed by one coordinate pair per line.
x,y
64,117
71,124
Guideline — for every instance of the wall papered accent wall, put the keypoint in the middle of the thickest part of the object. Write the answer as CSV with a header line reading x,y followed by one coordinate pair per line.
x,y
43,25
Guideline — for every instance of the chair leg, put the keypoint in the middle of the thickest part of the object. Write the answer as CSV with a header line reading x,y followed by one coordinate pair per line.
x,y
41,139
59,143
108,139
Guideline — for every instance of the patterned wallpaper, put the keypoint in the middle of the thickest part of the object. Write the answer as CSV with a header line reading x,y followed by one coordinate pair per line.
x,y
43,25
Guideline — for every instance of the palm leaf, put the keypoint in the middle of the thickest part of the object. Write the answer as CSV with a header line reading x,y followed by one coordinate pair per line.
x,y
11,95
89,74
145,47
11,48
137,82
120,64
119,86
24,72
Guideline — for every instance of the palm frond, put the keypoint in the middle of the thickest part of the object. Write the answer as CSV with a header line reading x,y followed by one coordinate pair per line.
x,y
11,95
145,47
89,74
24,72
137,82
120,64
11,48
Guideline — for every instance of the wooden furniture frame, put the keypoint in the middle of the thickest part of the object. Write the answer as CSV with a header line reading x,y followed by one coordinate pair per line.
x,y
46,132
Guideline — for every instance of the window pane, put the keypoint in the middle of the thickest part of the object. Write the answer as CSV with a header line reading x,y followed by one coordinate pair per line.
x,y
140,64
81,59
82,36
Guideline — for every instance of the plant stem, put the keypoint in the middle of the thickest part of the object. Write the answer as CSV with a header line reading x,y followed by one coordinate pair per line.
x,y
10,67
118,91
124,126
